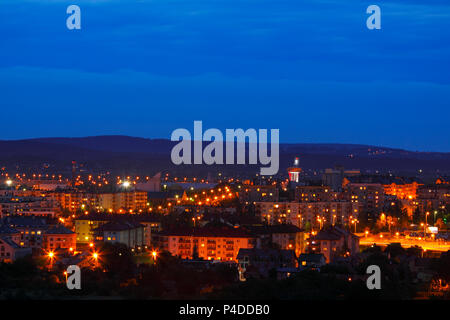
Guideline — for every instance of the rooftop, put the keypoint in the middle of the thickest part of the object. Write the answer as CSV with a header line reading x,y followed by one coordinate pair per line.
x,y
119,226
280,228
9,242
59,230
5,229
21,221
209,231
266,253
332,233
311,257
120,217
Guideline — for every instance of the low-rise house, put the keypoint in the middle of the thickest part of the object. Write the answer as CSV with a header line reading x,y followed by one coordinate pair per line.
x,y
59,237
151,225
334,242
7,231
285,236
311,261
31,230
85,225
129,233
10,250
259,263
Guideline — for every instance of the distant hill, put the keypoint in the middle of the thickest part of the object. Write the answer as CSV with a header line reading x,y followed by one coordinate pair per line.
x,y
113,144
123,154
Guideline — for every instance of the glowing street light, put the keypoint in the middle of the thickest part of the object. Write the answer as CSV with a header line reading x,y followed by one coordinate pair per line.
x,y
51,255
320,222
426,223
126,184
95,256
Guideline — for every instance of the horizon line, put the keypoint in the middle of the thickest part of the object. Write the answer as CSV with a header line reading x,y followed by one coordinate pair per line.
x,y
167,139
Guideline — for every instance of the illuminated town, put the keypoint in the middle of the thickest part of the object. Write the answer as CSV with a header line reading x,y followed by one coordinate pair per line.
x,y
233,229
224,159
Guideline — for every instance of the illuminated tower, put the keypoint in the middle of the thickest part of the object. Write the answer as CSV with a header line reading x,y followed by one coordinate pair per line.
x,y
294,171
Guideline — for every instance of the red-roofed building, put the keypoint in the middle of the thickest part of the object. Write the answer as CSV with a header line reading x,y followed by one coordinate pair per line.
x,y
59,237
220,242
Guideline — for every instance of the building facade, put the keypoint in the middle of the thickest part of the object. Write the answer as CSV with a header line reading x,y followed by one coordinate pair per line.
x,y
334,242
210,243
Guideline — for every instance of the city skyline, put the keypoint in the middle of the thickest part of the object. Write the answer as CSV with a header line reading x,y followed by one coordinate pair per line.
x,y
224,158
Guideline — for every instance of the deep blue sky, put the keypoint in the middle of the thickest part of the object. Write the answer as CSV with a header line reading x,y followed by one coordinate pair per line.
x,y
310,68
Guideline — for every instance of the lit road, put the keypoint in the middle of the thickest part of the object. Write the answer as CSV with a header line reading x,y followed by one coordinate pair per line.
x,y
435,245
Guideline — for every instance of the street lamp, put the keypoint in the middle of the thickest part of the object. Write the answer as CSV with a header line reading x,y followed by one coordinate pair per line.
x,y
95,256
320,222
354,221
126,184
51,255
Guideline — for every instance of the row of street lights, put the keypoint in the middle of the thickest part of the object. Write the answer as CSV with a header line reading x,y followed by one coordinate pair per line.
x,y
95,256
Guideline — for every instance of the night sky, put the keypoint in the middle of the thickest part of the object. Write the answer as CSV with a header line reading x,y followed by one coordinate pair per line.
x,y
310,68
